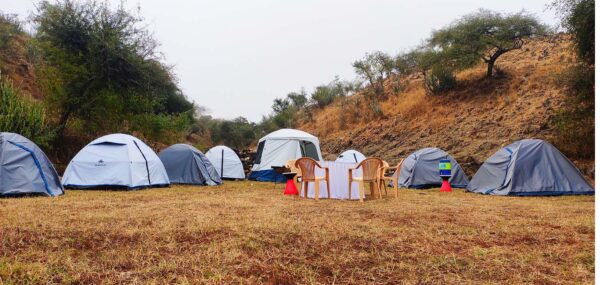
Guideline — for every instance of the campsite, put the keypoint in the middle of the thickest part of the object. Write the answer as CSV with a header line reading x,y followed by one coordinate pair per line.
x,y
158,144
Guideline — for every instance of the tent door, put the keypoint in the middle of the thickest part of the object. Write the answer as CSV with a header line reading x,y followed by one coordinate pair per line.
x,y
309,149
259,151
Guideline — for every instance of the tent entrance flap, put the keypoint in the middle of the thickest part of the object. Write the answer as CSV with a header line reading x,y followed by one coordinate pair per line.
x,y
259,152
309,149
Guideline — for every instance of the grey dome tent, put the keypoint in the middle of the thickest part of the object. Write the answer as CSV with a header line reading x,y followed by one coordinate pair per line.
x,y
187,165
420,170
25,169
529,167
116,161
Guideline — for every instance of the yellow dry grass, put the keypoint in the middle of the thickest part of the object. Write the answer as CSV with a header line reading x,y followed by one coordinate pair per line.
x,y
246,232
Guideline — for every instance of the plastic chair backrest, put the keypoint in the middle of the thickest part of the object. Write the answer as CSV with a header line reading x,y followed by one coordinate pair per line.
x,y
370,168
307,167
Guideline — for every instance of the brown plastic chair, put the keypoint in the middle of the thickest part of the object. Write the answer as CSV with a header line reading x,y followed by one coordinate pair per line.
x,y
383,179
307,168
370,174
291,164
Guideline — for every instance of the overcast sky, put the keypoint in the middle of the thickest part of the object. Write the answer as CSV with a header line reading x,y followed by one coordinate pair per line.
x,y
235,57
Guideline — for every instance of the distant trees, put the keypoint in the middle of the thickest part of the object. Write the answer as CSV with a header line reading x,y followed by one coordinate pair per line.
x,y
484,35
237,133
325,94
374,68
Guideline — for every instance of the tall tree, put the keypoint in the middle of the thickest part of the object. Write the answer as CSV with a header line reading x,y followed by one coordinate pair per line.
x,y
485,35
107,63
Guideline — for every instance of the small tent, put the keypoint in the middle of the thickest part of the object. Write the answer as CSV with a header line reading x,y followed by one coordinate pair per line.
x,y
351,156
25,169
226,162
115,161
420,170
529,167
276,148
187,165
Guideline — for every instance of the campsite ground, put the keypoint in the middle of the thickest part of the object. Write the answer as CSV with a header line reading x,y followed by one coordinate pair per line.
x,y
250,232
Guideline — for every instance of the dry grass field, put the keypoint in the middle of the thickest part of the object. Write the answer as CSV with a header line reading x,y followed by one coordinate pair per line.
x,y
246,232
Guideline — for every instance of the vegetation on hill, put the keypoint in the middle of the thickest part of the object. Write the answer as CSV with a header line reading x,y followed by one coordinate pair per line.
x,y
575,121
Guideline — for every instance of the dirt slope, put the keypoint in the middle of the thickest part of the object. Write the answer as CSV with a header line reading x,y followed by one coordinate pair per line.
x,y
471,122
16,64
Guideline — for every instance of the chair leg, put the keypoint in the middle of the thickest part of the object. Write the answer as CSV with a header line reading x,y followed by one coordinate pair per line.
x,y
395,187
350,190
361,190
305,189
317,182
379,191
328,190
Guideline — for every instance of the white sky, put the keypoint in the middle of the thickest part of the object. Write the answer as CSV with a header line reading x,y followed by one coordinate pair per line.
x,y
235,57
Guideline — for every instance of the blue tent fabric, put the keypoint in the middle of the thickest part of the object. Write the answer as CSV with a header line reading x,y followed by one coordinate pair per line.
x,y
187,165
529,167
25,169
267,176
420,170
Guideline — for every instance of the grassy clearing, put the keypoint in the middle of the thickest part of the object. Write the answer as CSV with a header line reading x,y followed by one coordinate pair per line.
x,y
250,233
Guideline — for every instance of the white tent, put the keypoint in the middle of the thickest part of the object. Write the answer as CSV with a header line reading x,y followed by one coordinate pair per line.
x,y
116,160
351,156
226,162
276,148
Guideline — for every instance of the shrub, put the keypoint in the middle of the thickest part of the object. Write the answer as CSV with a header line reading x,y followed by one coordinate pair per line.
x,y
22,115
439,79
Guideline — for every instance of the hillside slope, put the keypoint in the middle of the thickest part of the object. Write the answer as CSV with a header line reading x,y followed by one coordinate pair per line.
x,y
471,122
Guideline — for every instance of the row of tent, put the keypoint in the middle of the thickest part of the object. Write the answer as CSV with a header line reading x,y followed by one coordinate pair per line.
x,y
112,161
526,167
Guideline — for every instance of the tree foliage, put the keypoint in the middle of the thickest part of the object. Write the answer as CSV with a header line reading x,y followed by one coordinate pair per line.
x,y
106,64
575,120
10,28
578,17
485,36
374,68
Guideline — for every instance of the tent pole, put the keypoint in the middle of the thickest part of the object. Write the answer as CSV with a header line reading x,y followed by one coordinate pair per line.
x,y
222,155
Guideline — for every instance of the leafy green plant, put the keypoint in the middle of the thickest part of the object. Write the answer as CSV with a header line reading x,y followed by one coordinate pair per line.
x,y
20,114
439,80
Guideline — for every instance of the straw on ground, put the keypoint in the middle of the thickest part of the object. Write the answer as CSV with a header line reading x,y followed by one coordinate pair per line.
x,y
249,232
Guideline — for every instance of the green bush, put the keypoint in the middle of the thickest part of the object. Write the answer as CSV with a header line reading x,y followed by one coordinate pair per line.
x,y
439,79
19,114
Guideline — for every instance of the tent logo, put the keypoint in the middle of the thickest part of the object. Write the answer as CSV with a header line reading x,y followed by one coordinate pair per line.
x,y
100,163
